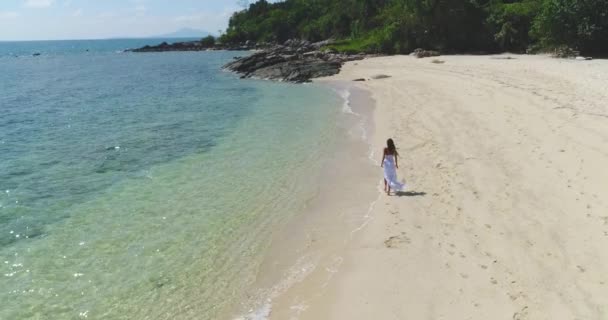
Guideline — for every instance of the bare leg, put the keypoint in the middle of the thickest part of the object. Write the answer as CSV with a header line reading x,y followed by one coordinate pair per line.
x,y
389,190
385,185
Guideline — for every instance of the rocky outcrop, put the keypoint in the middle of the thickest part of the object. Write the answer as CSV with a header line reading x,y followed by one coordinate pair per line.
x,y
199,46
294,61
565,52
421,53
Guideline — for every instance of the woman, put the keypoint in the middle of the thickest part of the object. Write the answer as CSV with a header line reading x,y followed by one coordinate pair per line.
x,y
390,165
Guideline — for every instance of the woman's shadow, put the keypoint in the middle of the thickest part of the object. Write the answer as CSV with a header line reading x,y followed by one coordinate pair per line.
x,y
410,194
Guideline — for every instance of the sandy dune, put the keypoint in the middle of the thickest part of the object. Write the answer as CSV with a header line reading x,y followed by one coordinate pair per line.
x,y
508,212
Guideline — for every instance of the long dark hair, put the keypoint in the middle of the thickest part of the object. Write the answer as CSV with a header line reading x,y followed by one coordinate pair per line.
x,y
390,146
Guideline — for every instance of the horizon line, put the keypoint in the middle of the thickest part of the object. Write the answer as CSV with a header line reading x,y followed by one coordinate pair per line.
x,y
101,39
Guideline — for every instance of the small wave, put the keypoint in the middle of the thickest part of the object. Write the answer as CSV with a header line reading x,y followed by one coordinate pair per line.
x,y
297,273
261,313
345,95
367,218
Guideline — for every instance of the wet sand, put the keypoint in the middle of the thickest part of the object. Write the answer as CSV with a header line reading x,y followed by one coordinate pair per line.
x,y
307,250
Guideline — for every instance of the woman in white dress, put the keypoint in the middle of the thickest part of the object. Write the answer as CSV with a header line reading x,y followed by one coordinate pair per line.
x,y
390,165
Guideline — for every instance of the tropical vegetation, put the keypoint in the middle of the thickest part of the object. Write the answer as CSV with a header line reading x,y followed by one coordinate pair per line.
x,y
399,26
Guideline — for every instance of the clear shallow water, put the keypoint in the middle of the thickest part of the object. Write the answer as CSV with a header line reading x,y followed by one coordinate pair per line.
x,y
75,47
142,186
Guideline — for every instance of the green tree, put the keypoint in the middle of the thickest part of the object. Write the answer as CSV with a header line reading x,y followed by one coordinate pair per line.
x,y
208,41
511,23
580,24
399,26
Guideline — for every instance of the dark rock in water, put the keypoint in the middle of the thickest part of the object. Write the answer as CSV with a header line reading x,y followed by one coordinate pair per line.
x,y
36,54
360,79
421,53
294,61
198,46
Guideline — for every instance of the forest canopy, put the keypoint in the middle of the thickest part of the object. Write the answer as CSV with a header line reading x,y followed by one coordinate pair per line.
x,y
399,26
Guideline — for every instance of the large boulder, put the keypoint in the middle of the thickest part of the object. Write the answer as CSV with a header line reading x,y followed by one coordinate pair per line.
x,y
565,52
421,53
293,61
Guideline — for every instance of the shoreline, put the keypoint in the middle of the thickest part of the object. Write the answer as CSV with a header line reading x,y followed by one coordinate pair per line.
x,y
506,218
305,252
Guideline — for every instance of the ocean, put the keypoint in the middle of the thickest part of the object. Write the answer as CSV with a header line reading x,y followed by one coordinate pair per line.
x,y
145,186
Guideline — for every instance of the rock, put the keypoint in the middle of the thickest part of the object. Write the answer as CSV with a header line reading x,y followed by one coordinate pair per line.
x,y
294,61
380,76
198,46
323,43
565,52
36,54
437,61
421,53
580,58
360,79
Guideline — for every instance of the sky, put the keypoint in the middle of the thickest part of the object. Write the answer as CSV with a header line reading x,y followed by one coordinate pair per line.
x,y
99,19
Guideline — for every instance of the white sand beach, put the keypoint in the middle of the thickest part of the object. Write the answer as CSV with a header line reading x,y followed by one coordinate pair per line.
x,y
507,211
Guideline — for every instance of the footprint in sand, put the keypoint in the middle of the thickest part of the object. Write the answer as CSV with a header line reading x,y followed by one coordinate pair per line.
x,y
395,241
521,314
581,269
515,296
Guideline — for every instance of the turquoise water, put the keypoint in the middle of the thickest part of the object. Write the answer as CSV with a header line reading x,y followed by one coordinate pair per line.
x,y
145,186
76,47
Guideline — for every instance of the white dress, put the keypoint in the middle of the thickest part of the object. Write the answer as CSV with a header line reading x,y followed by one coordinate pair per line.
x,y
390,173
